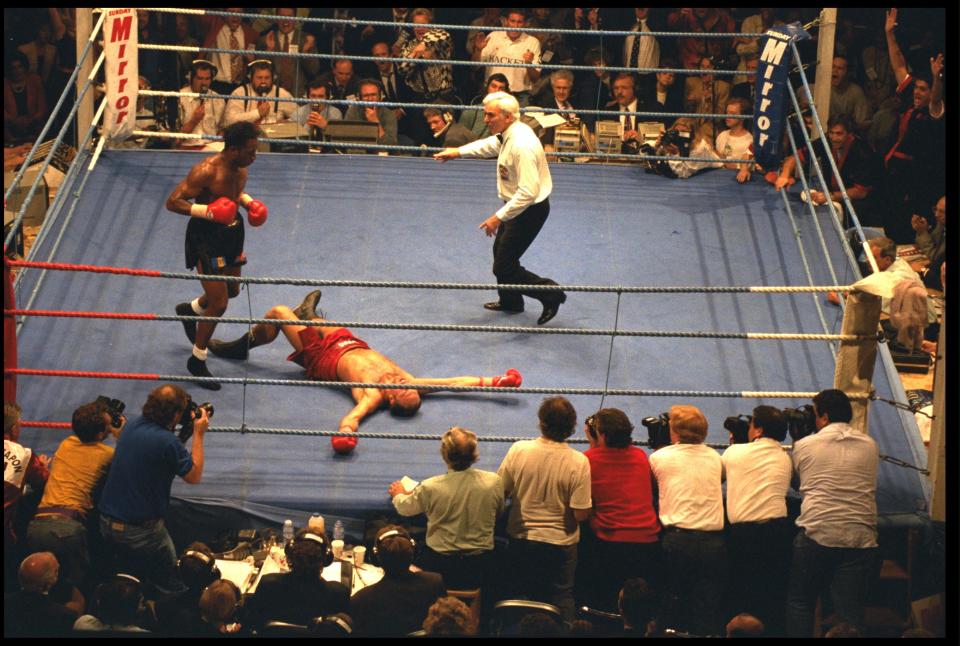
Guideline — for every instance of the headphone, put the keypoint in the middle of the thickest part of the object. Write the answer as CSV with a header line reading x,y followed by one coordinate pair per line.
x,y
120,577
212,571
378,543
332,626
200,63
327,551
237,594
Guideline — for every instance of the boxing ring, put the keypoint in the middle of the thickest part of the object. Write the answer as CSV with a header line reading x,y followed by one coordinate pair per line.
x,y
659,313
371,218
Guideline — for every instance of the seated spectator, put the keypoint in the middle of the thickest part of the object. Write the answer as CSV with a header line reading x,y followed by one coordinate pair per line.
x,y
860,169
661,93
539,624
446,131
118,606
624,93
426,83
705,94
558,98
293,72
318,115
399,603
21,487
393,89
844,630
900,323
689,475
472,120
461,506
41,55
549,484
79,467
639,608
36,610
749,48
183,36
383,117
933,244
200,116
624,526
847,98
24,102
736,142
219,605
341,81
150,117
232,32
744,625
747,89
449,617
180,614
262,84
298,596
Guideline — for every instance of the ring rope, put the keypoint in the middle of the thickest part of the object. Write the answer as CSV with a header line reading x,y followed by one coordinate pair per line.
x,y
309,383
442,327
317,282
353,22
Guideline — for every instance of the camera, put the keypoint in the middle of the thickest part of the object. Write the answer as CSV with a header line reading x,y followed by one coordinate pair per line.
x,y
739,428
658,430
189,416
115,407
801,421
727,62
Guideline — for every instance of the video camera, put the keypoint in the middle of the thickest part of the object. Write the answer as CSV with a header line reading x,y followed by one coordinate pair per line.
x,y
115,407
658,430
190,415
801,421
739,428
681,139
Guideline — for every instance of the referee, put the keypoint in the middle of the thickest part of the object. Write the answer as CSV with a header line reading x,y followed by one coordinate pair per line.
x,y
524,184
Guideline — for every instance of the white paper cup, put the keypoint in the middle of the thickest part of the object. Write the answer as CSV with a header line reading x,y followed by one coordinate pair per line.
x,y
337,546
359,554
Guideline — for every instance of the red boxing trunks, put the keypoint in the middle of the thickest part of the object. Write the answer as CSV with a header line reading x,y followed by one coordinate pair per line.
x,y
320,355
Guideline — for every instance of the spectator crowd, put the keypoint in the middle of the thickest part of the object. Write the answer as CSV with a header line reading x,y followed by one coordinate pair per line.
x,y
686,538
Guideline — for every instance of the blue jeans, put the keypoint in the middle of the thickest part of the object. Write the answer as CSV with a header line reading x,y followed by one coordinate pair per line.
x,y
67,539
145,550
847,572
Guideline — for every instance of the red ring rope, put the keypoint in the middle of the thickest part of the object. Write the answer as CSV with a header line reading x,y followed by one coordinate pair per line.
x,y
97,269
83,315
82,373
25,424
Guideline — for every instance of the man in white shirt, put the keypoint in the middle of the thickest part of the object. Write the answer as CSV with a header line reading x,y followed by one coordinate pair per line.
x,y
200,116
262,83
758,537
836,548
688,475
524,184
641,51
549,484
511,46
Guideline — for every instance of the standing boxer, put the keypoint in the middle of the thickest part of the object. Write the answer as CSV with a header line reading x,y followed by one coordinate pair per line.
x,y
214,241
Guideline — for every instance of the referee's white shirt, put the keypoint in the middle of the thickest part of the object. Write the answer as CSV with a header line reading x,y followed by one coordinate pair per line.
x,y
523,177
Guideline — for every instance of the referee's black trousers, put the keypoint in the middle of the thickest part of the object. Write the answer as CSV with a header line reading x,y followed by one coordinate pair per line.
x,y
513,238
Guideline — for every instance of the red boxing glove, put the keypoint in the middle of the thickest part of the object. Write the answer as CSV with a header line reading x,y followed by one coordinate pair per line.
x,y
511,379
256,213
223,210
343,444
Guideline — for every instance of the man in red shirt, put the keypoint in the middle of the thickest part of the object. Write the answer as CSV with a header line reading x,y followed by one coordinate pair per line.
x,y
624,526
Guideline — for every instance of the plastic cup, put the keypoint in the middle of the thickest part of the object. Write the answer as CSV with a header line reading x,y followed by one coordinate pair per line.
x,y
337,546
359,554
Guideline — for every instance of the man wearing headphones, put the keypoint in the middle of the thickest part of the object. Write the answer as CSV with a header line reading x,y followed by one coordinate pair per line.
x,y
262,82
197,568
398,603
200,116
450,133
300,595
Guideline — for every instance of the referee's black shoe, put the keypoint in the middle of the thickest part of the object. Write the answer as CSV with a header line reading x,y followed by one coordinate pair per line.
x,y
551,307
496,306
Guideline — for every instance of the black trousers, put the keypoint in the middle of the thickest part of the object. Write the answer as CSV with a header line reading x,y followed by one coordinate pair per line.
x,y
759,569
512,240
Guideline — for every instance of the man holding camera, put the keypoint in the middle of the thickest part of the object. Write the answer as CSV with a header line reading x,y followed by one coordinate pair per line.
x,y
758,471
79,466
837,547
137,493
689,476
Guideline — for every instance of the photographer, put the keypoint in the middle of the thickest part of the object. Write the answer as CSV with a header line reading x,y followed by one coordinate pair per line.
x,y
837,547
689,476
758,471
137,492
79,466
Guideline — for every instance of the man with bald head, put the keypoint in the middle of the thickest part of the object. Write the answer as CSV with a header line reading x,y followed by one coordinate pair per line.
x,y
461,508
33,611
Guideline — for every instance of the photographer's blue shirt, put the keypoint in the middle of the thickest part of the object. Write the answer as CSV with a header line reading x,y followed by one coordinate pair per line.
x,y
147,458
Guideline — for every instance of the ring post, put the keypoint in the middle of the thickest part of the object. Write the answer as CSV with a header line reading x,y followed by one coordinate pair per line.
x,y
856,361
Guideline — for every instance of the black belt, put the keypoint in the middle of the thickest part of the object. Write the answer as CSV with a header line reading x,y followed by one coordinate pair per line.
x,y
62,511
674,528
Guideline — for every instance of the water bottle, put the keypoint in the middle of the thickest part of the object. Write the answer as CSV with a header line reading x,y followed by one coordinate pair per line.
x,y
316,524
287,531
338,531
